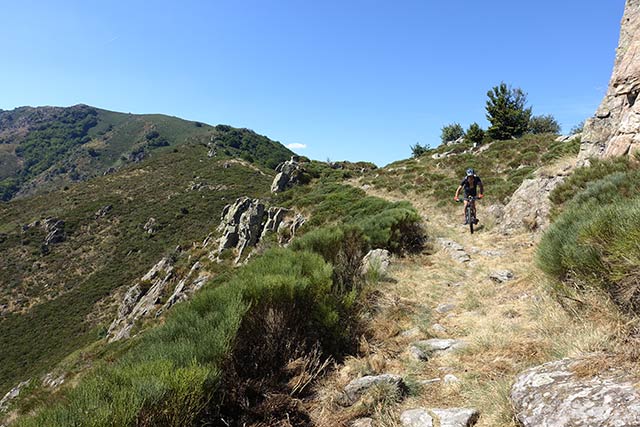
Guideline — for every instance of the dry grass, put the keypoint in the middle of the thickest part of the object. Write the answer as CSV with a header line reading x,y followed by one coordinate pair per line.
x,y
508,327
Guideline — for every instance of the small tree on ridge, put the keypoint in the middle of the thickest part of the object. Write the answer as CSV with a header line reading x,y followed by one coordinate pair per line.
x,y
507,112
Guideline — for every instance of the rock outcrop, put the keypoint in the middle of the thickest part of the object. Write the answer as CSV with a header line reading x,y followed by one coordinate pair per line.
x,y
147,298
615,128
55,231
289,174
554,395
529,206
247,221
12,394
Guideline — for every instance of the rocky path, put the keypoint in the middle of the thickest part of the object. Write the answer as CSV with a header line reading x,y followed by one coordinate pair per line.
x,y
452,331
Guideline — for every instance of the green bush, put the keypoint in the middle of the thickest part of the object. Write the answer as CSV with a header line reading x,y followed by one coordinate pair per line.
x,y
507,112
451,132
474,134
544,124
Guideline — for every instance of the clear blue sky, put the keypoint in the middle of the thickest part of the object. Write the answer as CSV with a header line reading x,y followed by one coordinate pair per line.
x,y
356,80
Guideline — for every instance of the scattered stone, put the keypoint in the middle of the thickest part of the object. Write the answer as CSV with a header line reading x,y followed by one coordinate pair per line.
x,y
456,417
151,226
53,381
501,276
416,418
445,308
289,174
356,388
425,349
376,260
362,422
455,250
554,395
569,138
103,211
12,394
451,379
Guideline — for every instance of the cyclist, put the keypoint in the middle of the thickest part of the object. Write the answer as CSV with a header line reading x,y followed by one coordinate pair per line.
x,y
471,184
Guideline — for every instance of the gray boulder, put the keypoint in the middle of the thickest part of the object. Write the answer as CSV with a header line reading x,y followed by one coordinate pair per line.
x,y
289,174
554,395
418,417
356,388
377,260
54,228
529,207
151,226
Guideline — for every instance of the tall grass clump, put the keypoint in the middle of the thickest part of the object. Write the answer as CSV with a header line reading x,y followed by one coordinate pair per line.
x,y
593,242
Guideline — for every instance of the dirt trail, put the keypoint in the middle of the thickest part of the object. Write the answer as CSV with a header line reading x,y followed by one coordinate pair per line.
x,y
505,326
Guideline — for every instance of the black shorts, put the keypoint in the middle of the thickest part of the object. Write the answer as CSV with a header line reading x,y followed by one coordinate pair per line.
x,y
470,192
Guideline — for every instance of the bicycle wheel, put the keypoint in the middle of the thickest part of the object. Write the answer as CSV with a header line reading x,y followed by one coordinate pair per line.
x,y
470,218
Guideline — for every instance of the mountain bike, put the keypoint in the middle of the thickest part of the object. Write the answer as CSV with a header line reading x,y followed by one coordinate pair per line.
x,y
470,211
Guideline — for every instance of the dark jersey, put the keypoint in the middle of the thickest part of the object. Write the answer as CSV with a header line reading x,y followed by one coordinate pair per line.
x,y
470,187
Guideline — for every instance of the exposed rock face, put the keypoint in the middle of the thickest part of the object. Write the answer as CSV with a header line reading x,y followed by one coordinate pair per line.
x,y
247,221
356,388
553,395
289,174
529,206
55,231
146,297
615,128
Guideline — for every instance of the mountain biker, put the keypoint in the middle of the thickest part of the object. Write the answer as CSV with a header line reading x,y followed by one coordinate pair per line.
x,y
471,183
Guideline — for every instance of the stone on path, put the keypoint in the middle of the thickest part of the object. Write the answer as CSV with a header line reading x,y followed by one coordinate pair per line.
x,y
454,417
423,350
554,395
356,388
501,276
455,250
445,308
362,422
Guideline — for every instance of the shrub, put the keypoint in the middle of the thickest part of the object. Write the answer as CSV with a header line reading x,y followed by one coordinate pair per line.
x,y
451,132
474,134
544,124
577,128
418,150
507,112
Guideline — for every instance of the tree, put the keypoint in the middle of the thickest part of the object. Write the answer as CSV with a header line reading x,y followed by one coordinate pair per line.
x,y
544,124
474,134
418,150
451,132
507,112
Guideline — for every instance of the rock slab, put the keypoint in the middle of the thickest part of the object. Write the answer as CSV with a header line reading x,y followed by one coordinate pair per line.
x,y
453,417
356,388
553,395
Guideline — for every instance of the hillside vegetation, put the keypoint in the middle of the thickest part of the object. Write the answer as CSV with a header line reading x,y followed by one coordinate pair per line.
x,y
58,297
224,355
47,147
502,165
593,242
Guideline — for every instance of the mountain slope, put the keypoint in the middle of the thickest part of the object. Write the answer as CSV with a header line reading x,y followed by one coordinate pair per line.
x,y
45,148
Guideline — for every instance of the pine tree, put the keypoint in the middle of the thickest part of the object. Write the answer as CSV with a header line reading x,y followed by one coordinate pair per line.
x,y
507,112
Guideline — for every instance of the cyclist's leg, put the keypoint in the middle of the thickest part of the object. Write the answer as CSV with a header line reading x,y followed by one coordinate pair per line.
x,y
464,211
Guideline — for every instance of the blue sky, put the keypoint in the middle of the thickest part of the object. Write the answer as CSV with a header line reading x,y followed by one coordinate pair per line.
x,y
355,80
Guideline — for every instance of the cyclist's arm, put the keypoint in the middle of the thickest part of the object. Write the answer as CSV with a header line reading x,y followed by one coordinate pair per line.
x,y
481,188
458,191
